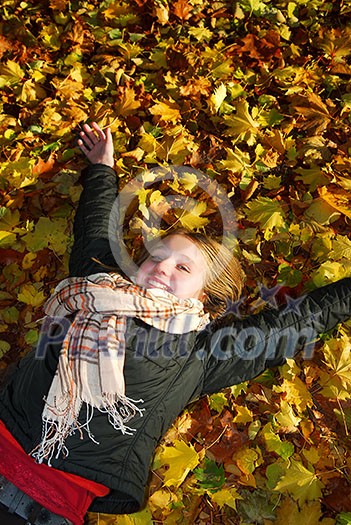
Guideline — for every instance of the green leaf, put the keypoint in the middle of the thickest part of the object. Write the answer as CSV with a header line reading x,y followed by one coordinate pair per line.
x,y
274,472
218,402
211,477
284,449
256,506
31,337
313,176
7,239
289,276
344,518
10,315
4,347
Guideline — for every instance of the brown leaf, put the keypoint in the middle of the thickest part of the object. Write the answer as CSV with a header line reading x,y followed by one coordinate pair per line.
x,y
339,498
314,112
5,45
182,9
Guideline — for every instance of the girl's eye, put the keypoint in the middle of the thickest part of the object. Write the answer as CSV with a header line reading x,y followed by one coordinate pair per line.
x,y
183,268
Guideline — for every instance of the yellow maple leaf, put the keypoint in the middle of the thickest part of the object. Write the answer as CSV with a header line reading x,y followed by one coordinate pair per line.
x,y
148,143
243,414
142,197
28,260
217,97
286,417
10,74
329,272
226,496
314,112
338,198
18,173
200,33
248,459
237,161
341,248
31,91
296,392
313,455
181,458
30,295
162,13
301,482
242,125
167,110
192,220
162,499
334,45
322,212
49,233
337,357
127,102
268,213
188,180
175,147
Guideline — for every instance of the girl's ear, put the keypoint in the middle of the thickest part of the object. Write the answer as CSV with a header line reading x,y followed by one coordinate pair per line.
x,y
203,297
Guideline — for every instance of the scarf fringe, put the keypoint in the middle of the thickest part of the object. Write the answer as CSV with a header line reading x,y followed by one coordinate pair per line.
x,y
55,433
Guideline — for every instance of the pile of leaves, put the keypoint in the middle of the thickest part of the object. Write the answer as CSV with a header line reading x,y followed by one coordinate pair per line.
x,y
257,96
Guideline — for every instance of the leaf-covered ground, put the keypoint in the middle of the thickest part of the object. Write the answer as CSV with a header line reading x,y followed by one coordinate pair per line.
x,y
257,96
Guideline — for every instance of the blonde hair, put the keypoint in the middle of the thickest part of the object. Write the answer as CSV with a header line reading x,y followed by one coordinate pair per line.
x,y
224,277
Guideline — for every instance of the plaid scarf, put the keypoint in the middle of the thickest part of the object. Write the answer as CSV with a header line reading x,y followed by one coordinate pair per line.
x,y
91,361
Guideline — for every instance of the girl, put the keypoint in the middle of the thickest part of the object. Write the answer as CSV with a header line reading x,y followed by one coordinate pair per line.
x,y
118,361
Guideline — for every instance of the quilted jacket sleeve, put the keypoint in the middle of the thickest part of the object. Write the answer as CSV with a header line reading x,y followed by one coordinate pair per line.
x,y
240,349
91,221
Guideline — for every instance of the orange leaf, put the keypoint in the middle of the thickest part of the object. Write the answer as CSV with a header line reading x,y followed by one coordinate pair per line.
x,y
44,166
182,9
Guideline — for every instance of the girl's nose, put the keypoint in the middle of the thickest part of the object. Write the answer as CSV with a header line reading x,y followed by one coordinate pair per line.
x,y
163,266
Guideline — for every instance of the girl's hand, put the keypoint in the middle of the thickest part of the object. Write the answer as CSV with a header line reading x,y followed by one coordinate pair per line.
x,y
96,144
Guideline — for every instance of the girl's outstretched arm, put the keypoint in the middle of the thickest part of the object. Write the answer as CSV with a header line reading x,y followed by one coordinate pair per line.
x,y
91,236
241,349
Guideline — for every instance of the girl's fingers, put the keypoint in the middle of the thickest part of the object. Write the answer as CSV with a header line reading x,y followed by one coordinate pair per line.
x,y
89,136
83,147
86,139
99,131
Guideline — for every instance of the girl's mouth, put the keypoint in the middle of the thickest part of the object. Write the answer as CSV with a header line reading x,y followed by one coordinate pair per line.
x,y
155,283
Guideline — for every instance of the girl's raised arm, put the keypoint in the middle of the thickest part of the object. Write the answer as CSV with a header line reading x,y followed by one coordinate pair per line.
x,y
91,221
96,144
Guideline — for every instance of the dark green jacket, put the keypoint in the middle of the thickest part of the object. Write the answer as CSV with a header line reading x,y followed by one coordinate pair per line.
x,y
166,371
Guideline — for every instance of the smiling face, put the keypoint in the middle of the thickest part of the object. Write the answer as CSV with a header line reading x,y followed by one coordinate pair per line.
x,y
176,265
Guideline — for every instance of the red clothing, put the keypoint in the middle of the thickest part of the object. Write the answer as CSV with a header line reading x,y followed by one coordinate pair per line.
x,y
65,494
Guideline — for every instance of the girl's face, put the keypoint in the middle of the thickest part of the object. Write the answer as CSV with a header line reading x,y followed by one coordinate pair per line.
x,y
176,265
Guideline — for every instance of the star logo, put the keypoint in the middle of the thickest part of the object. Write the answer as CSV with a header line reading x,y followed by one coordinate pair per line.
x,y
293,305
268,295
234,307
